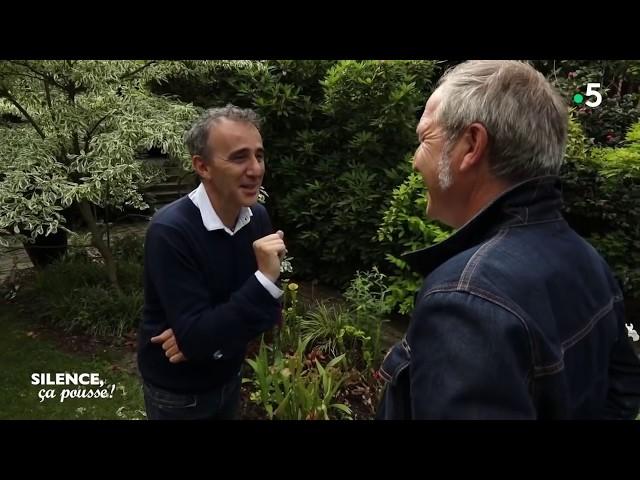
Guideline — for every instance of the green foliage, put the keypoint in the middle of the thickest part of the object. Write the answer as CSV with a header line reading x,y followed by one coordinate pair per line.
x,y
75,295
621,252
353,328
404,225
619,80
324,327
369,305
366,100
335,226
619,199
405,228
97,310
292,387
130,248
602,195
75,270
371,108
289,377
579,178
287,334
83,123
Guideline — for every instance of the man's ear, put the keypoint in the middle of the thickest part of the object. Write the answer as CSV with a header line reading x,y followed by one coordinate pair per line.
x,y
201,166
475,145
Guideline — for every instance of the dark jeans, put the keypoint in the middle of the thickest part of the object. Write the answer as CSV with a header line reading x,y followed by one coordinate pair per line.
x,y
219,404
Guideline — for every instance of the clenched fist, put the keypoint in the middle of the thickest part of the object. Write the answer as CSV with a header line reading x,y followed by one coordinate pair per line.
x,y
269,252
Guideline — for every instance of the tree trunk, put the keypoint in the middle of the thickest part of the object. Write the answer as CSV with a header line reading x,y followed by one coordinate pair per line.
x,y
96,241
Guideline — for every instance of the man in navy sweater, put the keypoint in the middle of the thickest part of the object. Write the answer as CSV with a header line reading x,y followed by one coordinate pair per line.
x,y
211,263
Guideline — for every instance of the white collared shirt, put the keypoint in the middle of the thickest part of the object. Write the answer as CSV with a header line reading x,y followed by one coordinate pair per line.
x,y
211,221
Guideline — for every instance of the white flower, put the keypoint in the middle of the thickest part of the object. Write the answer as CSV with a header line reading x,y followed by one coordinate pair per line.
x,y
631,332
285,266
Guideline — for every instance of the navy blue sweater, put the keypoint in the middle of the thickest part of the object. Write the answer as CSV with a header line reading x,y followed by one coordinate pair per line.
x,y
201,284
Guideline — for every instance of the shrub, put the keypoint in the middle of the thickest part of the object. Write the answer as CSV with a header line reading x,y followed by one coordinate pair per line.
x,y
75,295
97,310
619,80
129,248
602,195
354,164
405,228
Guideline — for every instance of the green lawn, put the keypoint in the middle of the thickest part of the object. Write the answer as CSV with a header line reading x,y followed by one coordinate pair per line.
x,y
27,348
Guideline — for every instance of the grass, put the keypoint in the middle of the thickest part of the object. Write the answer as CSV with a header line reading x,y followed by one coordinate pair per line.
x,y
26,348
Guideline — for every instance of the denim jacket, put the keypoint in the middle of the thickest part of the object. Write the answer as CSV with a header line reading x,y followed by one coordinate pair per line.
x,y
518,318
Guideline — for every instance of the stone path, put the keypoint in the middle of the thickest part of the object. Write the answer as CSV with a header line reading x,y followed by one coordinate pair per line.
x,y
15,256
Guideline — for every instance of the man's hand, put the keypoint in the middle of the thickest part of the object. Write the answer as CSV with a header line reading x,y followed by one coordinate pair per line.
x,y
170,346
270,251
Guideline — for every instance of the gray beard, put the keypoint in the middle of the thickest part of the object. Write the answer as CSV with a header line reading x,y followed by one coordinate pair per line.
x,y
444,170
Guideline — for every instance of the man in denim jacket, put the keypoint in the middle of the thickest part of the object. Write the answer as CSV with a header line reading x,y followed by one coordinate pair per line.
x,y
518,316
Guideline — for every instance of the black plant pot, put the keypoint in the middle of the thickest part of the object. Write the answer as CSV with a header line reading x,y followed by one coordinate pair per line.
x,y
47,249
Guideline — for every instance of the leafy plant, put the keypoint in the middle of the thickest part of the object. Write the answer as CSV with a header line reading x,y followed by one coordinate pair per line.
x,y
288,389
75,295
324,327
405,228
368,302
287,334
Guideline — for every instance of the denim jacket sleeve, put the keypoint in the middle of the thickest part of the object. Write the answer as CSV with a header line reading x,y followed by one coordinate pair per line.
x,y
470,359
623,397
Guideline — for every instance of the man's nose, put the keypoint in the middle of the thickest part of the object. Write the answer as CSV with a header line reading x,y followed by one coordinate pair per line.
x,y
256,167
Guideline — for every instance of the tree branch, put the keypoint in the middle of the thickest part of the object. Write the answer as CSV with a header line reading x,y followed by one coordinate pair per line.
x,y
47,93
22,74
138,70
41,75
76,144
96,241
71,95
14,102
63,155
87,137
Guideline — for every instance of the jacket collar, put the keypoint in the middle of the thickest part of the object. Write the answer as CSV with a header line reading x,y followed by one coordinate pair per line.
x,y
534,200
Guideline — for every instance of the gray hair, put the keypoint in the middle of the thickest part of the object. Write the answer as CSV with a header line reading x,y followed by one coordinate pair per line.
x,y
198,135
525,117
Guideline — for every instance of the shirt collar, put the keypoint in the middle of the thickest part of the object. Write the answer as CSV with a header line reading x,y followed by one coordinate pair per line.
x,y
210,218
